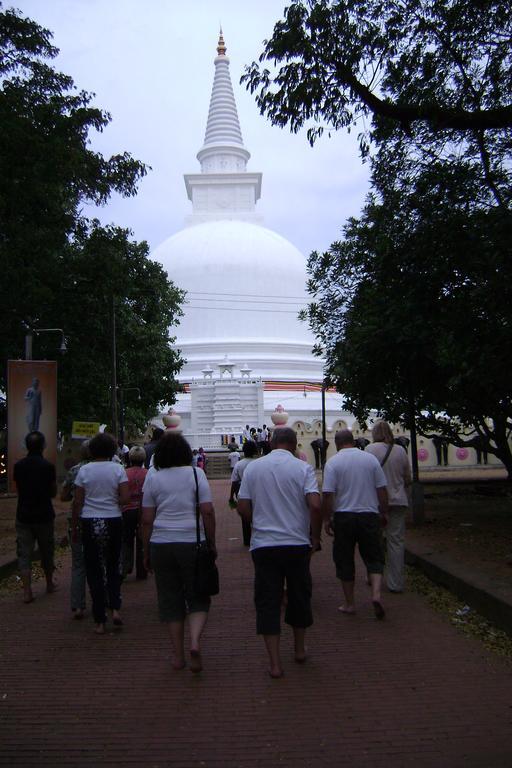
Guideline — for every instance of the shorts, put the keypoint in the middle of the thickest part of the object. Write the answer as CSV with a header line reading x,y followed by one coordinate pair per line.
x,y
364,529
272,567
174,566
27,534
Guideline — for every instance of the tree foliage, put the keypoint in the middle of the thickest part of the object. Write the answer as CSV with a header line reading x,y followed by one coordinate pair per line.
x,y
58,269
145,302
445,64
414,307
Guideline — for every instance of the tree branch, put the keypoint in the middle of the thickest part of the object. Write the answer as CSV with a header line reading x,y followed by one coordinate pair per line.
x,y
438,117
486,165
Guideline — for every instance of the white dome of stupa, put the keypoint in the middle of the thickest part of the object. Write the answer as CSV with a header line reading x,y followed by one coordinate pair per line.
x,y
245,284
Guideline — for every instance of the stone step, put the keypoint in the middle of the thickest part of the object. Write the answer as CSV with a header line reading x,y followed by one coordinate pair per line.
x,y
218,465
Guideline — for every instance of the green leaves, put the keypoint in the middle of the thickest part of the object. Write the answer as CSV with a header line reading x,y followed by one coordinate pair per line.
x,y
437,66
58,269
418,296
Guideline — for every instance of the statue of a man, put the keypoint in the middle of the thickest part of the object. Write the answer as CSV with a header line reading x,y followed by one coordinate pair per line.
x,y
33,396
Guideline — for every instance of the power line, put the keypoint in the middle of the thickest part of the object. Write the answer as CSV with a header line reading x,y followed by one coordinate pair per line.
x,y
246,301
253,295
245,309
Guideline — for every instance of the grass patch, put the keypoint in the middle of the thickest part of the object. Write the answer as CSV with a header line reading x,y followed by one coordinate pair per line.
x,y
464,618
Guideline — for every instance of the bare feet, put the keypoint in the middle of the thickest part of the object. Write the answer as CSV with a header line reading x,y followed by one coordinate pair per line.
x,y
78,613
51,587
349,610
378,610
178,664
300,658
99,629
196,662
275,673
116,619
28,597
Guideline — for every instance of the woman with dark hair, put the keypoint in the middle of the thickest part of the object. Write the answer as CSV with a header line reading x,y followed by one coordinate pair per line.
x,y
169,536
101,489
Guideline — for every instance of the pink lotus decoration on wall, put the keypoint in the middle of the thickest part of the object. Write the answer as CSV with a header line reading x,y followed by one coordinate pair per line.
x,y
422,454
462,453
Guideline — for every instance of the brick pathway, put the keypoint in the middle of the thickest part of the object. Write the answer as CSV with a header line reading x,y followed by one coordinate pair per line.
x,y
409,691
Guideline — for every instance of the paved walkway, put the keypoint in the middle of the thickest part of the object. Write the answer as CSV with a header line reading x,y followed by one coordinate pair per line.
x,y
409,691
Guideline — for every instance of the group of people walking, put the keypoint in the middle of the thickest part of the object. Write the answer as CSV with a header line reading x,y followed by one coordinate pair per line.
x,y
170,508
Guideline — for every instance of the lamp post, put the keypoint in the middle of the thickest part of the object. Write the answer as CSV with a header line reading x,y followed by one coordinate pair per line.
x,y
113,368
417,497
29,338
323,454
121,391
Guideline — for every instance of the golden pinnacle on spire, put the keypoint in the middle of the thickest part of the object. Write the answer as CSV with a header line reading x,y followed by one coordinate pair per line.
x,y
221,46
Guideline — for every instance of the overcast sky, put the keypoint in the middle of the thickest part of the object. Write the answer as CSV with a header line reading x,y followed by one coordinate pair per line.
x,y
150,64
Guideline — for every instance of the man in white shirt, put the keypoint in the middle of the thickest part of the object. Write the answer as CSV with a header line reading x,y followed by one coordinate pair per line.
x,y
250,454
279,495
354,493
233,458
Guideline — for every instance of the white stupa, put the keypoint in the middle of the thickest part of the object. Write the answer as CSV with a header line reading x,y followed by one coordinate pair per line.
x,y
244,346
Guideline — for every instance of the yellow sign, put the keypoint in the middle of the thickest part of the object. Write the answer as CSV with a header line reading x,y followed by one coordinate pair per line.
x,y
83,430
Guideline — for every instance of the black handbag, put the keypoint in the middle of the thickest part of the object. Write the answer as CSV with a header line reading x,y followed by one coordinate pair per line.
x,y
206,574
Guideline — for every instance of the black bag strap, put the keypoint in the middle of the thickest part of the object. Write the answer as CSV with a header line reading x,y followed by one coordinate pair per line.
x,y
198,532
390,448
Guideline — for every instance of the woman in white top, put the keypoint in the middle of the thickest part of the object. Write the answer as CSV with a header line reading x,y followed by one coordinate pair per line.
x,y
395,464
101,489
169,536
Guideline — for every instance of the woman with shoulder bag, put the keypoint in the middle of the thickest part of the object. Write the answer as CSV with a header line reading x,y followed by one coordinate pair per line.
x,y
395,465
170,535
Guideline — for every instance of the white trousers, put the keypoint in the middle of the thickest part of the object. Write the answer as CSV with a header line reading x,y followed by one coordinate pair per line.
x,y
395,546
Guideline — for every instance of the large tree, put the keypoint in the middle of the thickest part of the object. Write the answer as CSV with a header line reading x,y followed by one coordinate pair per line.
x,y
413,308
48,170
105,272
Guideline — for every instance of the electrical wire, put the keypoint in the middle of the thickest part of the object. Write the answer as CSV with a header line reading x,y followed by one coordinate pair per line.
x,y
248,301
253,295
246,309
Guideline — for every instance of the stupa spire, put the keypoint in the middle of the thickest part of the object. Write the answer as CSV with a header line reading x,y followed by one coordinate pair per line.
x,y
223,126
221,46
224,189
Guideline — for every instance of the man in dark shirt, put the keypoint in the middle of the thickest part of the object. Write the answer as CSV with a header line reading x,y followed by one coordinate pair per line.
x,y
320,446
36,482
150,447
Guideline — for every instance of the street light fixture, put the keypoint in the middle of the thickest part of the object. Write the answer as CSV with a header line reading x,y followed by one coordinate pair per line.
x,y
29,337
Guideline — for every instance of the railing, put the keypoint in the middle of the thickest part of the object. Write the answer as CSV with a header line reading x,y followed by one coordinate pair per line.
x,y
206,440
